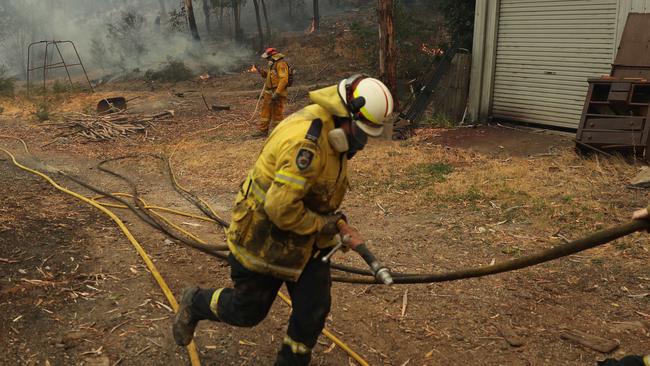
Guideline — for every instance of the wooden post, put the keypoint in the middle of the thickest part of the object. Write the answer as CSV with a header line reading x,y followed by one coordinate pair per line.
x,y
450,97
259,24
387,47
190,19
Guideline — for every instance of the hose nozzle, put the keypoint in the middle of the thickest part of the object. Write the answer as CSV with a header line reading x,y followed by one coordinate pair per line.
x,y
383,275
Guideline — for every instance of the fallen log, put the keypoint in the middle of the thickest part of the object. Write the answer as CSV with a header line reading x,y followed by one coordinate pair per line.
x,y
596,343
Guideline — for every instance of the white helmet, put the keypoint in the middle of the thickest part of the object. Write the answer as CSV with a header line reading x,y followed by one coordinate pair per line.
x,y
369,102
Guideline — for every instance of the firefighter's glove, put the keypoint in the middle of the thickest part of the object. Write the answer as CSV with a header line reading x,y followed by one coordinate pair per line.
x,y
331,228
350,236
275,96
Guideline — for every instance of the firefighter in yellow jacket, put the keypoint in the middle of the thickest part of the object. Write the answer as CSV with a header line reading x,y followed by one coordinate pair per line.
x,y
285,216
275,90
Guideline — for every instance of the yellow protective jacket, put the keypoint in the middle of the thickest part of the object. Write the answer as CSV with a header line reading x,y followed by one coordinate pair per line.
x,y
277,77
296,181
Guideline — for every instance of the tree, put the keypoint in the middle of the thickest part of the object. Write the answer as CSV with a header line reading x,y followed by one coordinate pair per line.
x,y
290,4
219,4
236,11
163,11
206,14
259,23
266,21
459,18
191,20
316,21
387,46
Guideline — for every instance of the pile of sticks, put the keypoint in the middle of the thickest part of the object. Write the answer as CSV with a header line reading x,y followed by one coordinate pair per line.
x,y
110,126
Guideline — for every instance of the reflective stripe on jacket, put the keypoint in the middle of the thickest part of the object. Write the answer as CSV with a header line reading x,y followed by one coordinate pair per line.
x,y
296,181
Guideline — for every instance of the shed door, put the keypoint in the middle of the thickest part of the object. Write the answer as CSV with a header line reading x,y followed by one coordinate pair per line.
x,y
546,51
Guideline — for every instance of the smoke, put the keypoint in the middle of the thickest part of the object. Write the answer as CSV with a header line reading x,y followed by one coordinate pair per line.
x,y
120,37
111,36
296,15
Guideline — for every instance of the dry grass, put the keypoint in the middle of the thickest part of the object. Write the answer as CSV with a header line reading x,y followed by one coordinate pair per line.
x,y
509,207
222,162
513,200
542,191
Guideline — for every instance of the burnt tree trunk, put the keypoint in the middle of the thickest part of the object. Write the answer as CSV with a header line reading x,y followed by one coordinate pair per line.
x,y
191,20
266,21
236,11
387,47
259,24
316,15
206,13
221,17
163,10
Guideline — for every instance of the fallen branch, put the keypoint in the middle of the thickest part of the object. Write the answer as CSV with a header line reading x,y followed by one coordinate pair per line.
x,y
596,343
108,127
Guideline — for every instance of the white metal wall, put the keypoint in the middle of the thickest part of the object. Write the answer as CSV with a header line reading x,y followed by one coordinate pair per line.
x,y
545,52
624,8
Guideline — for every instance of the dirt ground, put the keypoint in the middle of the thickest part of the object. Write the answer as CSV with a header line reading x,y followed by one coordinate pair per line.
x,y
73,291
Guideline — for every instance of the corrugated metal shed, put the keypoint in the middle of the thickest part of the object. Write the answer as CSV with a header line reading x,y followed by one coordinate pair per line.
x,y
546,50
532,58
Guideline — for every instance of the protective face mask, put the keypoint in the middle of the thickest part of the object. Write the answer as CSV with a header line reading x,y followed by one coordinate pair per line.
x,y
270,63
338,139
357,140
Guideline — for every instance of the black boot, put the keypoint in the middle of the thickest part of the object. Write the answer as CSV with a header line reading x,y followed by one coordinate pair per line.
x,y
625,361
184,320
287,358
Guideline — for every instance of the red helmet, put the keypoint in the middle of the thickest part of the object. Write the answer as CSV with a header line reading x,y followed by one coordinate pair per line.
x,y
269,52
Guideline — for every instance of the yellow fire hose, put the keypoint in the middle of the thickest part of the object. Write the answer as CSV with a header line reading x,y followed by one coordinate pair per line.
x,y
282,296
150,207
332,337
191,348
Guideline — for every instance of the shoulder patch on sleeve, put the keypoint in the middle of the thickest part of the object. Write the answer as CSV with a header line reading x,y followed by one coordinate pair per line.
x,y
314,131
304,158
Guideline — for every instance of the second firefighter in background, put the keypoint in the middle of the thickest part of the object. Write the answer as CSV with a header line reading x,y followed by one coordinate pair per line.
x,y
275,91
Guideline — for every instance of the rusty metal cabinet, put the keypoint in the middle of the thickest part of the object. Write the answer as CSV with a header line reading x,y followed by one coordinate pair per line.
x,y
615,115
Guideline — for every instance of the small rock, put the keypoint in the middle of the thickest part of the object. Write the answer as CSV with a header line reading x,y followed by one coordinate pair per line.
x,y
619,327
504,346
97,361
71,339
168,241
510,336
596,343
642,179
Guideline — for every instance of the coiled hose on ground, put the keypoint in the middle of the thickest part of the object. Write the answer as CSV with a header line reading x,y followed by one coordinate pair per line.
x,y
364,276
